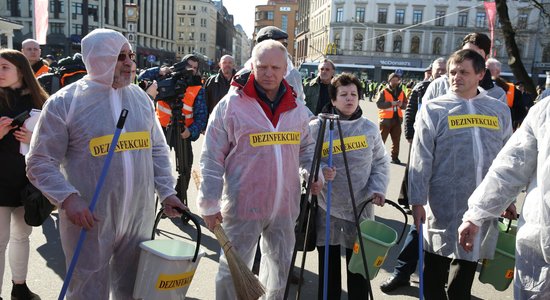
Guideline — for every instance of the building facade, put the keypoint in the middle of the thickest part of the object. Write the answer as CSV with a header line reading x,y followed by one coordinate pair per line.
x,y
279,13
70,21
241,47
409,35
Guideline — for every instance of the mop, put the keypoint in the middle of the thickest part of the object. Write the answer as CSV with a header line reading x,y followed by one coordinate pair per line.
x,y
99,186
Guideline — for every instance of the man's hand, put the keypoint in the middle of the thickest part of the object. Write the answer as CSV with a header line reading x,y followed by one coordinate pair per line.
x,y
152,90
170,204
419,215
185,134
510,213
212,220
378,199
466,235
5,126
78,212
396,103
329,173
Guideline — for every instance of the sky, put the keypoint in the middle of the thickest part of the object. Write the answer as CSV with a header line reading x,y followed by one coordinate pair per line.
x,y
243,13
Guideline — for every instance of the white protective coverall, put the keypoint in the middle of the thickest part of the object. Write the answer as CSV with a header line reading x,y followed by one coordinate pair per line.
x,y
440,86
523,162
67,154
454,143
252,168
369,167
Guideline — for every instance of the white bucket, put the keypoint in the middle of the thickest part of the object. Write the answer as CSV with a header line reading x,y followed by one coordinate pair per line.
x,y
165,269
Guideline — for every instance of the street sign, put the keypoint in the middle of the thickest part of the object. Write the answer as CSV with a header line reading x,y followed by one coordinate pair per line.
x,y
151,58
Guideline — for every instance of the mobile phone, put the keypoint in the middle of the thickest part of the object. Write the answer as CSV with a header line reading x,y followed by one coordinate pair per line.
x,y
20,119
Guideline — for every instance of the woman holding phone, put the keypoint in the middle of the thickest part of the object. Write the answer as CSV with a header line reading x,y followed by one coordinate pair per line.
x,y
19,92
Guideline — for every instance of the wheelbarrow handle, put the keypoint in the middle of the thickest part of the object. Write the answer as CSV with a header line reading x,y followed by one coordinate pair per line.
x,y
387,201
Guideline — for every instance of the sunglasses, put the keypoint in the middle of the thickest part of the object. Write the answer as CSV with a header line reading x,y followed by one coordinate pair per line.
x,y
122,56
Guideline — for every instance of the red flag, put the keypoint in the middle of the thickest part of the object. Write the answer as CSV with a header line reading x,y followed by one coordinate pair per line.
x,y
491,11
41,20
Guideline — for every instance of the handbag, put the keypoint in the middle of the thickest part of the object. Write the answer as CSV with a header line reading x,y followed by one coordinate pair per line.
x,y
309,215
37,207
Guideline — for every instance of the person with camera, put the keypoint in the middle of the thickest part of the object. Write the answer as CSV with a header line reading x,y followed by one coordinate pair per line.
x,y
257,140
194,114
19,93
67,155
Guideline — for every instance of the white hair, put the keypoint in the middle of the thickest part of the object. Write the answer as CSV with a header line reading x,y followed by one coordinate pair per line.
x,y
266,45
493,62
29,41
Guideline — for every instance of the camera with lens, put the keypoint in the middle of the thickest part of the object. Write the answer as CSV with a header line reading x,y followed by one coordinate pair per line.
x,y
172,87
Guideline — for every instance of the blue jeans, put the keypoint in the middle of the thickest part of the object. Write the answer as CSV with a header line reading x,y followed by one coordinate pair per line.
x,y
408,257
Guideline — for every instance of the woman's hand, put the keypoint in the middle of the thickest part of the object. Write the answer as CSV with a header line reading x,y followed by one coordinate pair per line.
x,y
23,135
5,126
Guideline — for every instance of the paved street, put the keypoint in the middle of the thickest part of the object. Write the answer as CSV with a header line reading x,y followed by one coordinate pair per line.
x,y
46,269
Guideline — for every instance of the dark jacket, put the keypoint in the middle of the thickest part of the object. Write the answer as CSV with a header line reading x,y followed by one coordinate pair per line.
x,y
415,99
312,92
216,86
12,177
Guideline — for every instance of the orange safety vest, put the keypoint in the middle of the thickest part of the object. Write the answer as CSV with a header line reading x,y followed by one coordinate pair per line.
x,y
65,76
388,112
164,112
43,70
510,93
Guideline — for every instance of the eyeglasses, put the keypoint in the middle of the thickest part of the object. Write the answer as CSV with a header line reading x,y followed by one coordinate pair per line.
x,y
122,56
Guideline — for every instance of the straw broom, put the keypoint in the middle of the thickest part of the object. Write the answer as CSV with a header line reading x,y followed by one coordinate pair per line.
x,y
247,285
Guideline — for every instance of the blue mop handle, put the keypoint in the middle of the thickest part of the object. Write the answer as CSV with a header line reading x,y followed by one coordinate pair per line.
x,y
327,218
98,188
421,261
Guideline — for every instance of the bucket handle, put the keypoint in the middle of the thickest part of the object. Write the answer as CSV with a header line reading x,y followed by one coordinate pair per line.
x,y
398,207
185,216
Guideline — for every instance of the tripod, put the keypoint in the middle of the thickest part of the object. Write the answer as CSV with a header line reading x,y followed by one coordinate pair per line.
x,y
182,148
314,172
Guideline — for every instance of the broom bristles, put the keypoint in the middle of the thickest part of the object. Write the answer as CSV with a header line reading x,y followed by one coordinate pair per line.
x,y
247,285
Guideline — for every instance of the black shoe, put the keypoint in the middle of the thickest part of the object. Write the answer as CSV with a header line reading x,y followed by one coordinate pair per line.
x,y
393,283
395,161
22,292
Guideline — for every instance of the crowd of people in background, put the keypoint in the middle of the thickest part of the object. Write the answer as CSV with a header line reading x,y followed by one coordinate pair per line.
x,y
266,99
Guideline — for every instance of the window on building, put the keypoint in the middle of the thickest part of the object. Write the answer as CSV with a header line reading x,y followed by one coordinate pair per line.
x,y
360,14
358,42
270,15
203,22
15,10
53,9
203,37
182,21
76,10
284,23
400,16
546,54
380,43
337,41
191,36
194,7
92,12
440,18
339,15
382,15
77,29
437,46
57,28
183,7
481,20
417,16
182,35
415,45
522,21
204,9
397,44
462,19
192,22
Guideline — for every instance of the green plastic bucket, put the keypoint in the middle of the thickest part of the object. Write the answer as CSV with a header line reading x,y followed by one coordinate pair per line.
x,y
378,238
499,271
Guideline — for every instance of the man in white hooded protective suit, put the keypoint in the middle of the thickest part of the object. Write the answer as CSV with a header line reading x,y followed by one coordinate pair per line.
x,y
256,140
523,162
67,154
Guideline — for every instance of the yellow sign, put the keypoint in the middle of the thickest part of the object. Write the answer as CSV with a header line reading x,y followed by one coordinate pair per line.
x,y
352,143
174,281
379,261
274,138
128,141
466,121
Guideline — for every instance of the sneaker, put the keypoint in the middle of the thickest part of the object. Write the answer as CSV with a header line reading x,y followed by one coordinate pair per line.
x,y
395,161
392,283
22,292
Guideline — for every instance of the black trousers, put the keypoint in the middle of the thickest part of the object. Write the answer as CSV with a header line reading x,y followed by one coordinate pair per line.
x,y
357,284
459,280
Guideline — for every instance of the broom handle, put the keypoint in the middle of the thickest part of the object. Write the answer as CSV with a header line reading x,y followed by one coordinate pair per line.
x,y
327,218
98,188
421,261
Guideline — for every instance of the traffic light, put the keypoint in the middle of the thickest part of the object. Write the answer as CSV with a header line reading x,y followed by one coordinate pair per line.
x,y
331,49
